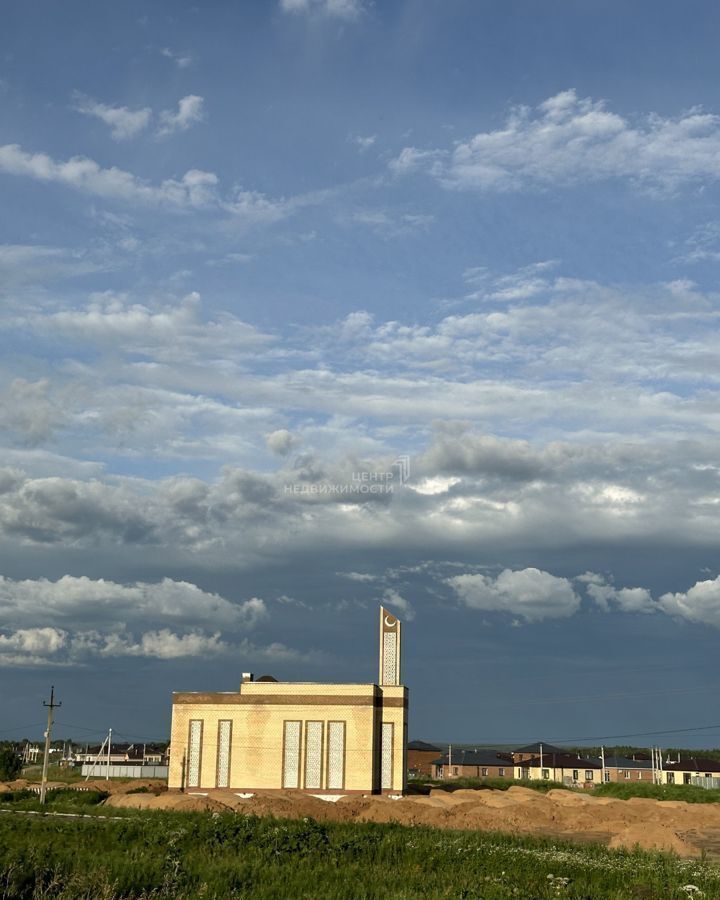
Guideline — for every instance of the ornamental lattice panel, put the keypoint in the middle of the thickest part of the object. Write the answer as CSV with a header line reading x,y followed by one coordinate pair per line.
x,y
194,753
389,658
291,755
313,755
336,756
223,763
386,756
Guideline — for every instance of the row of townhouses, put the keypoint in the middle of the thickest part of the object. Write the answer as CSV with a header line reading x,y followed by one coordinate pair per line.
x,y
70,754
542,761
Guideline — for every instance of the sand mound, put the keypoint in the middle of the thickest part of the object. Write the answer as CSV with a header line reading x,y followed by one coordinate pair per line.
x,y
652,837
649,824
181,802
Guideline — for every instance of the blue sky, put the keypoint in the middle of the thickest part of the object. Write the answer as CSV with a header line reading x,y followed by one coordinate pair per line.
x,y
253,253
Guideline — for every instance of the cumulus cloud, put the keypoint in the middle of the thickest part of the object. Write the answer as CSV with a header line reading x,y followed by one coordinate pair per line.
x,y
348,10
701,603
26,410
181,60
58,647
606,596
568,140
97,617
84,174
170,331
280,441
188,113
72,598
196,189
529,594
394,599
124,123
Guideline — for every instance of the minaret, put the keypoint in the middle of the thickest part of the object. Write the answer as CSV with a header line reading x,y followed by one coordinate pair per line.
x,y
389,649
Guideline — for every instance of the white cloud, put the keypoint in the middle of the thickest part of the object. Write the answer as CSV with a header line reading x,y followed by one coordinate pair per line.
x,y
189,112
168,332
362,577
339,9
606,596
26,409
363,142
196,189
181,60
701,603
280,441
397,601
57,647
124,123
568,140
73,599
389,224
165,644
531,594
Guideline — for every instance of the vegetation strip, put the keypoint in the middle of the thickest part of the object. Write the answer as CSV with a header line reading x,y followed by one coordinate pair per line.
x,y
231,855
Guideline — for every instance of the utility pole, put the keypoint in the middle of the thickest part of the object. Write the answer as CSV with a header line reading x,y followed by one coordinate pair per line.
x,y
107,771
51,707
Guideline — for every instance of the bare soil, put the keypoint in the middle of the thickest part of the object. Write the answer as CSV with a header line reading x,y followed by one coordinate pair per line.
x,y
682,828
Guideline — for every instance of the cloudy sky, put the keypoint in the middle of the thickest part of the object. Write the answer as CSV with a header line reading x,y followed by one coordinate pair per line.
x,y
253,254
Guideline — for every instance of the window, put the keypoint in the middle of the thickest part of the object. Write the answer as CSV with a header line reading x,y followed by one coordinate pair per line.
x,y
501,772
671,778
455,770
576,775
687,778
589,774
484,771
607,776
626,774
639,775
545,774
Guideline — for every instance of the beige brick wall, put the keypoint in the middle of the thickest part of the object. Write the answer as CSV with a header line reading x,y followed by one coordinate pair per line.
x,y
256,756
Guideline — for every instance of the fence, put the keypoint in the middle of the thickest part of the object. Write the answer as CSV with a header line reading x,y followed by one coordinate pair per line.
x,y
707,782
119,770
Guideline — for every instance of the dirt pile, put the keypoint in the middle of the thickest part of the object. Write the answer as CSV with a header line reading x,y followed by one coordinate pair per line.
x,y
672,826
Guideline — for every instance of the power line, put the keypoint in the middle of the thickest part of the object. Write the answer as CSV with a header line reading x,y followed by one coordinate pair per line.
x,y
21,727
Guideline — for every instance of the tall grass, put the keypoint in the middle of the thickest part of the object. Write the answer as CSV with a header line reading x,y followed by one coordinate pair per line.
x,y
690,793
210,855
425,785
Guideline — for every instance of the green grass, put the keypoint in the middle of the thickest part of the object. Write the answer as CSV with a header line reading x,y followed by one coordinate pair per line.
x,y
209,855
689,792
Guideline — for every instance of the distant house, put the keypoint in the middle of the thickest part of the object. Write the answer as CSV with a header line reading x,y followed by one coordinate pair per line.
x,y
420,757
127,754
539,748
623,769
559,765
479,763
692,770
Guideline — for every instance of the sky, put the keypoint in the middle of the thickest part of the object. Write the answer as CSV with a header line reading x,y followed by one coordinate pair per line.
x,y
309,306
